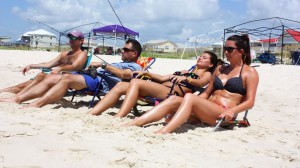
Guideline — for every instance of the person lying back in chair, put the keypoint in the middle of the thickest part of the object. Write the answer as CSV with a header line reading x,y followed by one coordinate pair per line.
x,y
232,90
73,60
158,89
114,73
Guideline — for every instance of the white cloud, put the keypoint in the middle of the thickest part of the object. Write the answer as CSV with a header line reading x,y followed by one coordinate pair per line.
x,y
269,8
154,19
15,10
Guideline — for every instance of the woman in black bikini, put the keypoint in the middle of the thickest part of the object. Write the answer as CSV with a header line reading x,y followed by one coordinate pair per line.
x,y
231,91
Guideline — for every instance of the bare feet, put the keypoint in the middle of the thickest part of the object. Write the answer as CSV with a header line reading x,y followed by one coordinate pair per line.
x,y
161,131
10,100
34,105
131,123
29,106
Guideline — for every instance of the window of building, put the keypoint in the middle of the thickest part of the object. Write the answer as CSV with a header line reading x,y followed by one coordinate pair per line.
x,y
166,47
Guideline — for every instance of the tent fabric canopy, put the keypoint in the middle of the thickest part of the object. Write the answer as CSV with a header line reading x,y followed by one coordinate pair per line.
x,y
116,30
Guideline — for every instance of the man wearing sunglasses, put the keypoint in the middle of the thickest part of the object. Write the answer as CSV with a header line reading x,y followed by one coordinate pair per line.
x,y
66,61
114,73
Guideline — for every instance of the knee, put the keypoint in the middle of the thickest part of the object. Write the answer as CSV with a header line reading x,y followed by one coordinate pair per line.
x,y
66,78
135,82
189,96
174,99
51,79
40,76
120,88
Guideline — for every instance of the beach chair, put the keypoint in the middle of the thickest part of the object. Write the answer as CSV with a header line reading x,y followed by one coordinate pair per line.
x,y
231,124
144,62
87,63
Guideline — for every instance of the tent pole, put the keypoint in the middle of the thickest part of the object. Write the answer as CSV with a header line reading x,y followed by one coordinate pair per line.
x,y
223,44
184,49
88,49
115,43
282,44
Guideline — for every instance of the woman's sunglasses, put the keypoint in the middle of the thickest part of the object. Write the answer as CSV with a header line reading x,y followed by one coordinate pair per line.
x,y
127,49
229,49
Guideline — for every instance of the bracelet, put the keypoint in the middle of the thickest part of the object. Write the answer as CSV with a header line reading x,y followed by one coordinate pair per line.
x,y
189,81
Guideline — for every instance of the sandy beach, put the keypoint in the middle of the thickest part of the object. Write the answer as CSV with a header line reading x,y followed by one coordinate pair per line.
x,y
64,135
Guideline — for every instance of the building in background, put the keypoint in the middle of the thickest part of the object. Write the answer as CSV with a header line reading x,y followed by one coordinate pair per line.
x,y
39,39
160,46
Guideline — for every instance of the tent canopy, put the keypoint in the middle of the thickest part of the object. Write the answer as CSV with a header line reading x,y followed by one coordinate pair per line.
x,y
258,28
116,30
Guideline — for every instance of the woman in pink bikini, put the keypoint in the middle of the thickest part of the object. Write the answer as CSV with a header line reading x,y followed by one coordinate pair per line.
x,y
231,91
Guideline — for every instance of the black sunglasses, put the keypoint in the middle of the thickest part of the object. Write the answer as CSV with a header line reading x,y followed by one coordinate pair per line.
x,y
229,49
73,38
127,49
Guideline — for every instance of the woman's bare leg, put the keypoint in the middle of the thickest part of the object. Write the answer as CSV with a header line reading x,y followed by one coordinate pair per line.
x,y
204,109
141,88
158,112
111,98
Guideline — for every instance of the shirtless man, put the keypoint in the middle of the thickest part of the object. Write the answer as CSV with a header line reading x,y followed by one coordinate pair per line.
x,y
73,60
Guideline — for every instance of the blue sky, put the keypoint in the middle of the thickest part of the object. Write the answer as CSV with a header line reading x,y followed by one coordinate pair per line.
x,y
174,20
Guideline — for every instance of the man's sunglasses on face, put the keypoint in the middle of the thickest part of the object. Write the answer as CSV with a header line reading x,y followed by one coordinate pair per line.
x,y
127,49
72,38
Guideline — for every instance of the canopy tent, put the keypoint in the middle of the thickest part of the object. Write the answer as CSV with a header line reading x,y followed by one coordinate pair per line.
x,y
259,29
115,32
202,40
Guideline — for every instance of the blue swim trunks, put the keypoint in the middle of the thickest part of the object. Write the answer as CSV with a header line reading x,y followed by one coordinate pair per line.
x,y
91,83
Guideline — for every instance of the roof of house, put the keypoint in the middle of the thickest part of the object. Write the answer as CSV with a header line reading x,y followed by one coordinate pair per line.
x,y
294,34
160,42
271,40
155,41
38,32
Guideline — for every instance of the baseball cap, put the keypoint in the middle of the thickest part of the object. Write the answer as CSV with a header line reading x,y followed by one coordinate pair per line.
x,y
76,33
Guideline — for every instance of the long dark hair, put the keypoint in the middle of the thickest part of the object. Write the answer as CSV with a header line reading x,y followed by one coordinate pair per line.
x,y
242,42
213,60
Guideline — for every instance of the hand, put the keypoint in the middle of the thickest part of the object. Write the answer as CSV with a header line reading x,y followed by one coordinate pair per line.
x,y
184,71
56,70
228,114
95,64
178,79
26,69
139,74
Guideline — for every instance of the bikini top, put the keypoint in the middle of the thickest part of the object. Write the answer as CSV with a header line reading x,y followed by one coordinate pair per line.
x,y
233,85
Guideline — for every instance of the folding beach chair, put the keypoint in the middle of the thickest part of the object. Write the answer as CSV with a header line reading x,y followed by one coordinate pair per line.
x,y
87,63
144,62
231,124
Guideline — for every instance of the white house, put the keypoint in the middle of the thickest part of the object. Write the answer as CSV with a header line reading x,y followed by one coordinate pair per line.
x,y
40,39
160,46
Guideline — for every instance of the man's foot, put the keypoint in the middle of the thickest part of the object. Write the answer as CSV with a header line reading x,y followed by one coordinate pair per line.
x,y
31,105
10,100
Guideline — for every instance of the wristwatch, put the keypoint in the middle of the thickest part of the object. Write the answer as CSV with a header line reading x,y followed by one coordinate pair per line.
x,y
104,64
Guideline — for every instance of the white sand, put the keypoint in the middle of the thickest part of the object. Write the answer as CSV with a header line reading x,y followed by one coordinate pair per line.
x,y
63,135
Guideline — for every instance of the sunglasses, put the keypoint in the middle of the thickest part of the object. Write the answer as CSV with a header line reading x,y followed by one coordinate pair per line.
x,y
127,49
229,49
72,38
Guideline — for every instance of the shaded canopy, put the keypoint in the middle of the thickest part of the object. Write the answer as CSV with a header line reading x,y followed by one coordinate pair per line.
x,y
116,31
261,30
